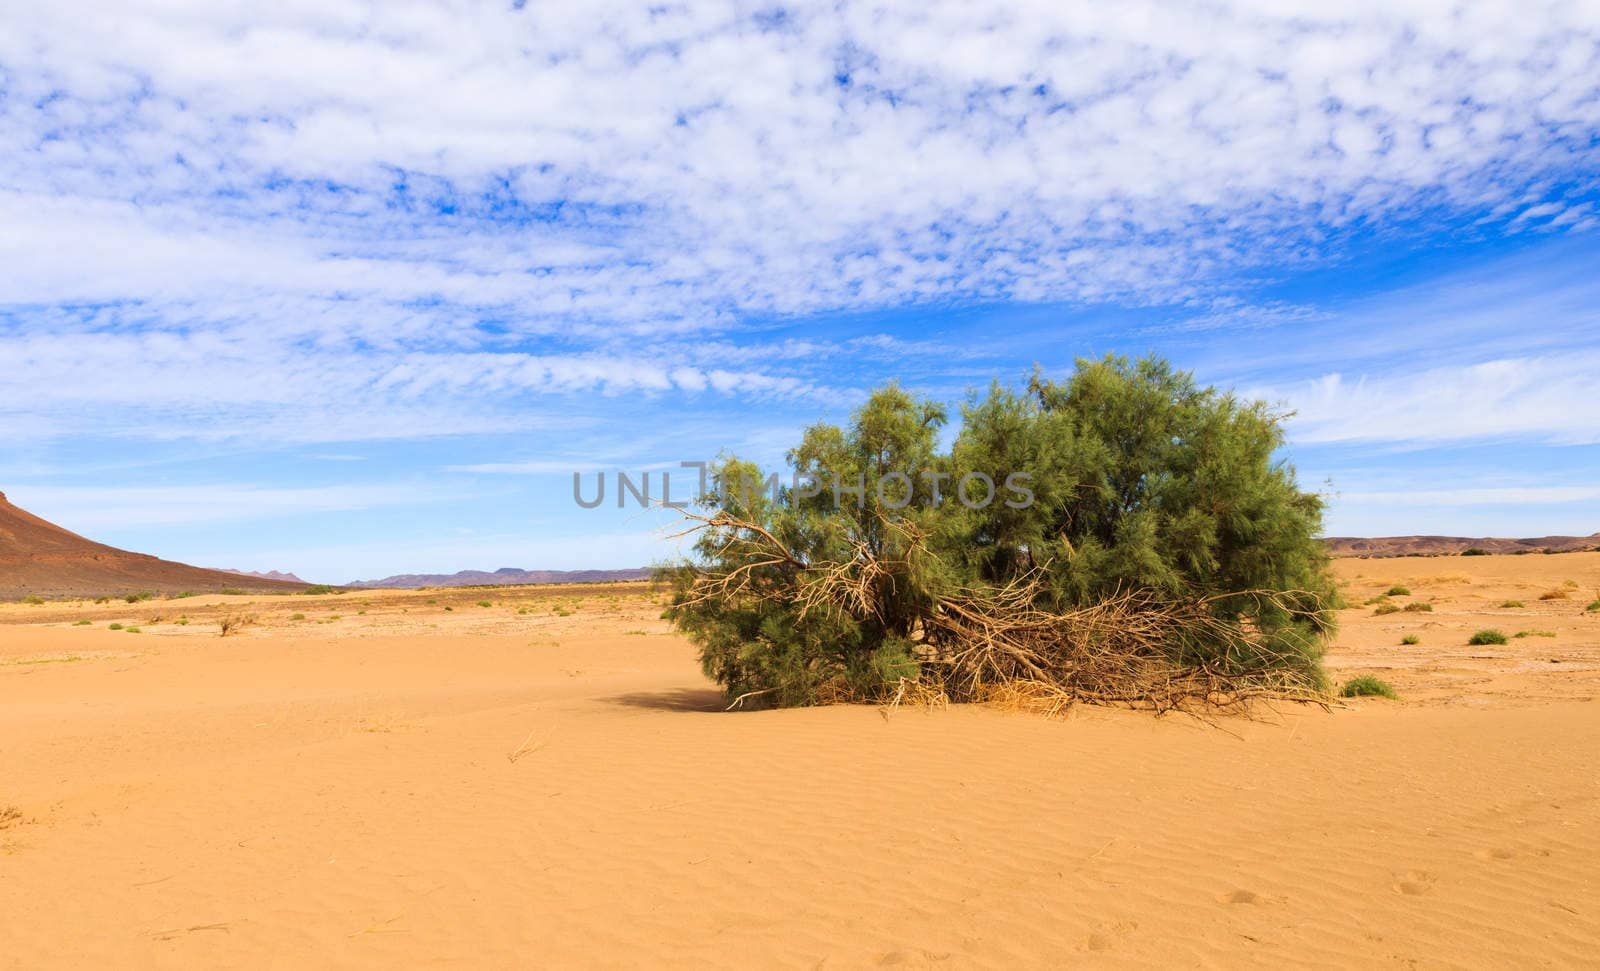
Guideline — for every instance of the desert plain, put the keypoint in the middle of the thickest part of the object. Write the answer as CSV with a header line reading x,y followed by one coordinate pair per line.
x,y
541,776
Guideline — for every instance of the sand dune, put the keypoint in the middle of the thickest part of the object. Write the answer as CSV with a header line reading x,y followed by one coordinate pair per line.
x,y
503,786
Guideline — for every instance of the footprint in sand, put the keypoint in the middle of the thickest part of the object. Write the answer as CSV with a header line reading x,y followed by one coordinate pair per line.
x,y
1415,883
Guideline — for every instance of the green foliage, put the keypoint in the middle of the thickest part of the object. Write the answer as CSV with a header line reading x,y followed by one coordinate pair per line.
x,y
1419,608
1399,591
1411,639
1593,604
231,592
297,616
1139,480
130,630
485,603
1379,599
1474,551
83,623
317,589
1513,603
134,598
1366,686
114,626
35,601
1387,609
1489,636
1534,633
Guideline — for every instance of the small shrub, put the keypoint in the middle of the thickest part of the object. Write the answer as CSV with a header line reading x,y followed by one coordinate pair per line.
x,y
102,600
182,622
130,630
450,608
134,598
485,603
83,623
1557,594
1513,603
1367,686
1379,599
231,592
1387,609
1399,591
1489,636
1593,604
316,589
297,617
114,627
1534,633
1419,608
234,623
181,596
1474,551
36,601
1411,639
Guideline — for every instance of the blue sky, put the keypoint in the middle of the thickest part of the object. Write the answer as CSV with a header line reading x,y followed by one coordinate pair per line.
x,y
352,289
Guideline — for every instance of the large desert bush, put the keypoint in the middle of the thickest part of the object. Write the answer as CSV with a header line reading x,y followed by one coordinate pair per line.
x,y
1144,544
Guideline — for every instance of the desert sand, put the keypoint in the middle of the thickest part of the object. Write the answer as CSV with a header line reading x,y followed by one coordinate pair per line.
x,y
409,779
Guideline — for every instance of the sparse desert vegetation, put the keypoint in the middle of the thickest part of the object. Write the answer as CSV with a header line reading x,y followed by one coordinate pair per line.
x,y
1487,636
1367,686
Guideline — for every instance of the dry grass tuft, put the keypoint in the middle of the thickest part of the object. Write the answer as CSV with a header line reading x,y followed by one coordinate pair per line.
x,y
234,623
1559,593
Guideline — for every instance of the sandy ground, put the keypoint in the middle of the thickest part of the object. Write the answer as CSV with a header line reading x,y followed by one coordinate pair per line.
x,y
413,780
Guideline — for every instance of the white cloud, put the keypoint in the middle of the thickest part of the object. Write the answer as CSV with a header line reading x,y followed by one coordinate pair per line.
x,y
1551,399
1488,496
88,508
293,220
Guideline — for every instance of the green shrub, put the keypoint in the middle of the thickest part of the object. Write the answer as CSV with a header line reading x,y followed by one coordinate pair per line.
x,y
1534,633
1513,603
1140,480
130,630
317,589
114,626
231,592
83,623
1399,591
1387,609
181,596
1420,607
485,603
35,601
1593,604
1379,599
297,617
134,598
1474,551
1366,686
1487,637
1411,639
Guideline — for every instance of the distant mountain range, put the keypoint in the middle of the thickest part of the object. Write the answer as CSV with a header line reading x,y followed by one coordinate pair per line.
x,y
269,575
1453,545
505,576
